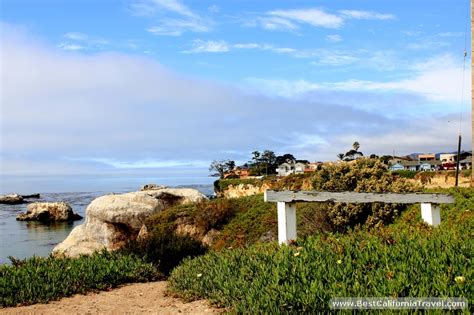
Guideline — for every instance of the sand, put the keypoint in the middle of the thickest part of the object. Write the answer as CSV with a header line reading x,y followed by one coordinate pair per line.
x,y
137,298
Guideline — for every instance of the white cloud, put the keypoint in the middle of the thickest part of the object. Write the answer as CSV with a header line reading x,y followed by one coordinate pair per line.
x,y
335,59
425,79
291,19
441,84
152,7
176,27
201,46
182,18
81,41
366,15
69,46
334,38
281,88
76,36
314,17
276,23
132,112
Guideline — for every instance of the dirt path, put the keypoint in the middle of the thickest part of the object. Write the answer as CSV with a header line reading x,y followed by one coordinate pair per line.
x,y
138,298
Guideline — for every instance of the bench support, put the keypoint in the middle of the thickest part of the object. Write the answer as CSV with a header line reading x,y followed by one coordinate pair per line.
x,y
286,222
430,213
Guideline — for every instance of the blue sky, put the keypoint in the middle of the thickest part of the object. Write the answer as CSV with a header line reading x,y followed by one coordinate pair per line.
x,y
108,86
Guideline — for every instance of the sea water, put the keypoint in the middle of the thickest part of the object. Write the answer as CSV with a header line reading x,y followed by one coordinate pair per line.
x,y
23,239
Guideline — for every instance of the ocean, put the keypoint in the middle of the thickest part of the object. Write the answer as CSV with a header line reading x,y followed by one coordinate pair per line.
x,y
24,239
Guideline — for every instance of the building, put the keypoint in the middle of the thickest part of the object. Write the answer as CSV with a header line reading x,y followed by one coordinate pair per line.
x,y
447,157
396,167
427,157
286,169
466,163
416,166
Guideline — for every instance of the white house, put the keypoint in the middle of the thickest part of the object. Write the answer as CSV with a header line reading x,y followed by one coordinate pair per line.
x,y
286,169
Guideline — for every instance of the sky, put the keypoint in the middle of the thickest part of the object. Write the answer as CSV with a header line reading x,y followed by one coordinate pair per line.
x,y
114,86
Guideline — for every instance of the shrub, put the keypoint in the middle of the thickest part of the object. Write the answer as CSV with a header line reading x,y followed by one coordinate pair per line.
x,y
39,280
214,214
363,175
164,248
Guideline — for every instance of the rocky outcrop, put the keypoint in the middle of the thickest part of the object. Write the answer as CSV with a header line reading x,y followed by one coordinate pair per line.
x,y
112,220
12,199
243,190
152,187
15,199
48,212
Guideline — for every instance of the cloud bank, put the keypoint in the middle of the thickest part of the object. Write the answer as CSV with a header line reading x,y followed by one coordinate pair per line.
x,y
70,112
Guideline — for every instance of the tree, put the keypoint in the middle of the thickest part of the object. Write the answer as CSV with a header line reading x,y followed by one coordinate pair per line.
x,y
256,158
221,167
285,158
269,158
352,154
356,146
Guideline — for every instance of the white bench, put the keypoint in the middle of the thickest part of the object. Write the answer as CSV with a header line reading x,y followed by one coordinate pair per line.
x,y
286,205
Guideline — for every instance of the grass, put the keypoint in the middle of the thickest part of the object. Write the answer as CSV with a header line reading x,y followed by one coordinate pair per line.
x,y
40,280
404,259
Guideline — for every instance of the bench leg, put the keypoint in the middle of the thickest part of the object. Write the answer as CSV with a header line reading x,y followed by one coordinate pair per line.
x,y
286,222
430,213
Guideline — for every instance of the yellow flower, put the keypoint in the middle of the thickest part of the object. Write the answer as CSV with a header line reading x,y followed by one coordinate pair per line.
x,y
199,275
296,254
339,262
460,279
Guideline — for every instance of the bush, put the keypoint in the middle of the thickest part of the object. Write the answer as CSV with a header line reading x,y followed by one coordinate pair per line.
x,y
363,175
401,260
164,248
39,280
214,214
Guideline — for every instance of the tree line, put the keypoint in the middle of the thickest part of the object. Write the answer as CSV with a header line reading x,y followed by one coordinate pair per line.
x,y
261,163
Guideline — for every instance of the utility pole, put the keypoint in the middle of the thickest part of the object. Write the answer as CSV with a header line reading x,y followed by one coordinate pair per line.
x,y
472,88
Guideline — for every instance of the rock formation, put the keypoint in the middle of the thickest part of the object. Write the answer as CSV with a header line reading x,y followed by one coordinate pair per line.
x,y
112,220
48,212
15,199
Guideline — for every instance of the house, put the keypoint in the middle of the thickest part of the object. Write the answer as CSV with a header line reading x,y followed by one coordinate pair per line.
x,y
286,169
396,167
398,159
426,157
430,166
466,163
448,157
411,165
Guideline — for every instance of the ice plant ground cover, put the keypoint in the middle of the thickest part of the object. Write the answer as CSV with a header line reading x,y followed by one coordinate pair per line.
x,y
39,280
404,259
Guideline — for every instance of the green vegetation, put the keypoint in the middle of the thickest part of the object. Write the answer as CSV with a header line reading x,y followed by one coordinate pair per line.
x,y
164,249
404,259
39,280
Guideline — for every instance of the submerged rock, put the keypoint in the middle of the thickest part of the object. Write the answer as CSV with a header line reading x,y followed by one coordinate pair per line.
x,y
152,187
112,220
48,212
15,199
12,199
